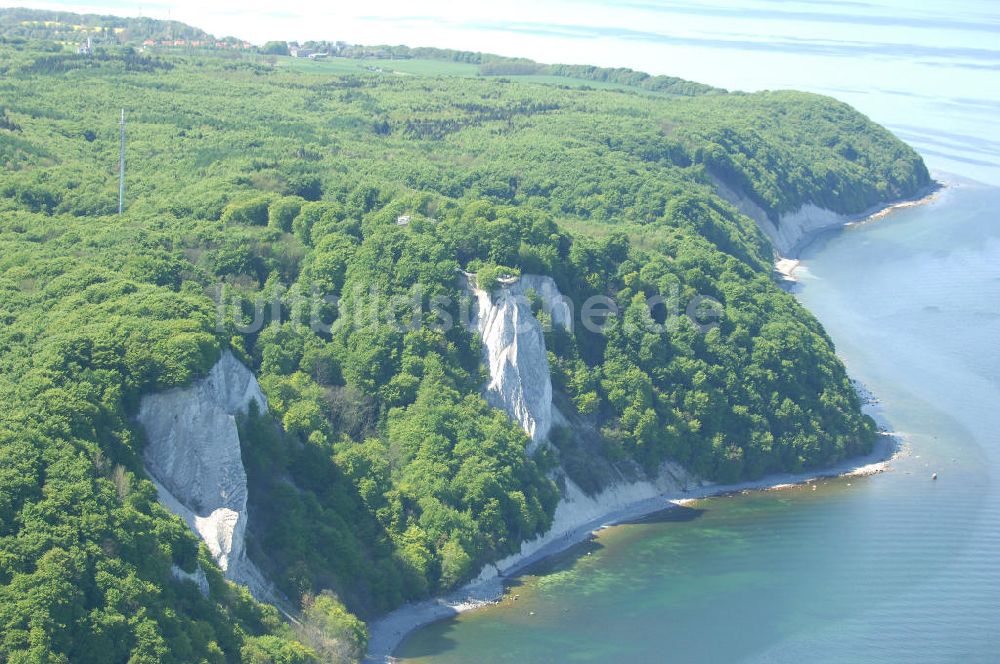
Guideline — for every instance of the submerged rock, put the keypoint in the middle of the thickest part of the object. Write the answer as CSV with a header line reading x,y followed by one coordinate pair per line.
x,y
514,349
193,455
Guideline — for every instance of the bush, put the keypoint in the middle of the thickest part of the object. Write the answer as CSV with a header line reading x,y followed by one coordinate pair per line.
x,y
274,650
250,211
283,211
328,627
275,48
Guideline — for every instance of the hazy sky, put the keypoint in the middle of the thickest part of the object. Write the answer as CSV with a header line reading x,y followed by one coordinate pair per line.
x,y
662,36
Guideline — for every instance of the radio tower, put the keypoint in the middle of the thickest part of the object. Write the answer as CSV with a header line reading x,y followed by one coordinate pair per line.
x,y
121,165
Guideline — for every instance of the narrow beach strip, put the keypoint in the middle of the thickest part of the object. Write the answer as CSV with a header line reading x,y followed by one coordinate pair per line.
x,y
388,632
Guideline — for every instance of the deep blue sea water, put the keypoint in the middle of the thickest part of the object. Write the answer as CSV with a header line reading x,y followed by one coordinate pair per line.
x,y
895,567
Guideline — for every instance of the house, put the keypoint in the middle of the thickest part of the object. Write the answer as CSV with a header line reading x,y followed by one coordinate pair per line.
x,y
317,56
403,220
85,49
304,53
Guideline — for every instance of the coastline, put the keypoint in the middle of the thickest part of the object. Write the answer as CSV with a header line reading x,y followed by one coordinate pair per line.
x,y
785,265
387,633
786,268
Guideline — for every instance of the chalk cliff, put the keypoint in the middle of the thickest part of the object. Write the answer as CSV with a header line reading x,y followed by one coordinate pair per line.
x,y
576,516
793,229
577,512
514,349
520,384
193,456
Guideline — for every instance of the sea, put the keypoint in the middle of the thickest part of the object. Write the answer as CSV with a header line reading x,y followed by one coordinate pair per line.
x,y
893,567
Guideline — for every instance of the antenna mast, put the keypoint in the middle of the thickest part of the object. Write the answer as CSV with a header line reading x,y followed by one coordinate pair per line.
x,y
121,165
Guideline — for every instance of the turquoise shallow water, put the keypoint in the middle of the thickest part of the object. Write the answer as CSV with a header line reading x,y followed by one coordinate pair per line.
x,y
889,568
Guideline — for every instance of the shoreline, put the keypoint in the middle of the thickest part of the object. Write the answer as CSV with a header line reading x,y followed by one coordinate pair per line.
x,y
785,266
387,633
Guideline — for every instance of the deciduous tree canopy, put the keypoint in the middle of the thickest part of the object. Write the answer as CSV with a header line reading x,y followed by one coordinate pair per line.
x,y
380,474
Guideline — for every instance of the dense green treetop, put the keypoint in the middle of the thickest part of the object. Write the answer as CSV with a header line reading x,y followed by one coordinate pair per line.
x,y
20,22
498,65
380,474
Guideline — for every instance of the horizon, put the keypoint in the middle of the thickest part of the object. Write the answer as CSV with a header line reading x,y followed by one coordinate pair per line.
x,y
597,34
367,336
912,67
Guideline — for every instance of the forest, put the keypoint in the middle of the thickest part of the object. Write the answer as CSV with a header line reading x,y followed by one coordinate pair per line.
x,y
380,475
18,22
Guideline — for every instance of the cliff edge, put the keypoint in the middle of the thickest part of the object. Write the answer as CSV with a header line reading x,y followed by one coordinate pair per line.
x,y
514,350
193,457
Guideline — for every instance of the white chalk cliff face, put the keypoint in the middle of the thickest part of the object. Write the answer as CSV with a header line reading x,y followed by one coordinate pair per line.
x,y
576,510
193,456
520,384
514,349
792,229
